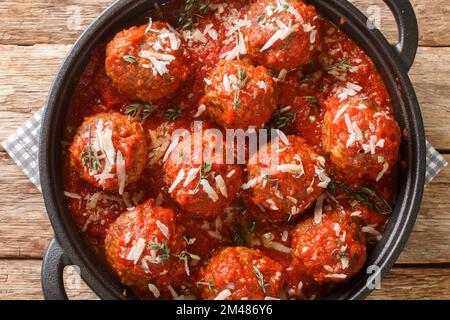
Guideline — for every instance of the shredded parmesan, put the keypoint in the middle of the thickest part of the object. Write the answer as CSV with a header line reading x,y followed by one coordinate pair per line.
x,y
171,147
164,229
209,190
318,210
280,34
383,171
72,195
136,251
223,295
121,172
177,181
154,289
200,110
220,183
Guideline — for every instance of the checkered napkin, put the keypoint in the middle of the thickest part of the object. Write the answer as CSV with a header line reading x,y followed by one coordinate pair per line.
x,y
22,146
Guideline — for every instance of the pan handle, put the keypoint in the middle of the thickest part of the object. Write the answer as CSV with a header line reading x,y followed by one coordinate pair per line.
x,y
52,272
408,31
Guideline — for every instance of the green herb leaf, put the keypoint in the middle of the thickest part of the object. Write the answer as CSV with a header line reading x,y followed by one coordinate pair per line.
x,y
238,235
210,284
172,114
189,241
192,8
252,227
205,171
343,65
263,284
242,77
89,157
280,119
140,111
130,59
163,252
369,198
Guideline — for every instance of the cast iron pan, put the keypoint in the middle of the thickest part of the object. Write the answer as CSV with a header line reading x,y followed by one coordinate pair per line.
x,y
393,63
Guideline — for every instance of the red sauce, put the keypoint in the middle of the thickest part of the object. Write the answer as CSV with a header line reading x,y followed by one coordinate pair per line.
x,y
301,109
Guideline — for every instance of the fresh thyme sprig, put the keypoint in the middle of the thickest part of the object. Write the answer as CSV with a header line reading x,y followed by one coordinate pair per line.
x,y
140,111
192,8
365,196
205,171
242,78
313,101
130,59
172,114
262,283
163,252
342,65
89,157
210,284
184,254
280,119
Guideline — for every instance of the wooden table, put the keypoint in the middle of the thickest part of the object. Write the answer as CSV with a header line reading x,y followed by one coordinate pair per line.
x,y
36,34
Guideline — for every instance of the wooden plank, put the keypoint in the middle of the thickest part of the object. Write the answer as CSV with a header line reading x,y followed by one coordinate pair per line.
x,y
429,76
48,21
24,227
20,279
414,284
24,85
25,230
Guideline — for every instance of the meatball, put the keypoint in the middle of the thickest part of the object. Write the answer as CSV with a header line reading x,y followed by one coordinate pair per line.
x,y
287,186
145,63
283,34
145,246
200,181
239,95
331,246
237,273
109,151
363,142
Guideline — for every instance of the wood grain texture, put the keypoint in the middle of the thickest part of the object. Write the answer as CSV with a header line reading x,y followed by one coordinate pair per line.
x,y
26,74
31,22
20,279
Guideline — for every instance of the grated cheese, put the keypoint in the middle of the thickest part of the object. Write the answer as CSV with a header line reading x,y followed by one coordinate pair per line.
x,y
223,295
136,251
220,183
164,229
154,289
200,110
383,171
318,210
121,172
209,190
177,181
280,34
72,195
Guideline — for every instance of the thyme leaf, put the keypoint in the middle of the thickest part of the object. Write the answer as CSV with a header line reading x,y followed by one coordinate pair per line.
x,y
163,252
172,114
130,59
342,65
192,8
367,197
89,157
242,77
263,284
280,119
140,111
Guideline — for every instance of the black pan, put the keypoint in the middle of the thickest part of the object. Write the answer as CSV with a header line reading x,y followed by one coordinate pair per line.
x,y
393,63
